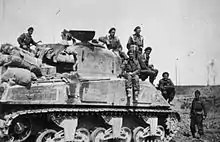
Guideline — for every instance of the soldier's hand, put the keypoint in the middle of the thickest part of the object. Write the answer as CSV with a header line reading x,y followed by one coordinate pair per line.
x,y
25,46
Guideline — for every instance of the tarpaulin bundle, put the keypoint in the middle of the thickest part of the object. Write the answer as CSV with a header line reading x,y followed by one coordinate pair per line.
x,y
56,53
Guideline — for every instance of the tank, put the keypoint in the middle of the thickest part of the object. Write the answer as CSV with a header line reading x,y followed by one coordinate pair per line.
x,y
86,101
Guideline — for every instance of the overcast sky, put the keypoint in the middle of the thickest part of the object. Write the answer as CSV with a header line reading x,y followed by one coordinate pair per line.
x,y
187,30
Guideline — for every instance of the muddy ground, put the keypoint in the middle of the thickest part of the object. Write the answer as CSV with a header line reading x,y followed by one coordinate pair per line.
x,y
182,103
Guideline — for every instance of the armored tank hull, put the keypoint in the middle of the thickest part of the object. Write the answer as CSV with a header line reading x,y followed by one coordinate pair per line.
x,y
89,103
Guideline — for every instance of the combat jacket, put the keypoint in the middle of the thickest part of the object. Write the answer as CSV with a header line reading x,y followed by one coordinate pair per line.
x,y
135,40
198,107
131,66
144,61
26,39
114,42
165,84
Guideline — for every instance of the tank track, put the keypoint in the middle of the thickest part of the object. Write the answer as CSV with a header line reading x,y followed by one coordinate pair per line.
x,y
9,117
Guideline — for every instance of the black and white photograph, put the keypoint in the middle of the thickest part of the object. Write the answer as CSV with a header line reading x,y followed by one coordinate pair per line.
x,y
109,71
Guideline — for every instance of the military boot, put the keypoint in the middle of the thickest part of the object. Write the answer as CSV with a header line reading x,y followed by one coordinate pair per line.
x,y
135,100
129,95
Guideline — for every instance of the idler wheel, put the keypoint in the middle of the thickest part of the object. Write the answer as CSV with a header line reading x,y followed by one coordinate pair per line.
x,y
126,134
82,135
160,132
46,136
138,134
20,129
98,135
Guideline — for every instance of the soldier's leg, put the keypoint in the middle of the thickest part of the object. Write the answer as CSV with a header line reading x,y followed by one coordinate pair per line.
x,y
200,124
193,125
136,86
128,84
143,76
171,94
153,75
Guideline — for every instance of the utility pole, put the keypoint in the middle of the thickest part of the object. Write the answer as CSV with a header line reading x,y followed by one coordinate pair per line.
x,y
208,75
176,71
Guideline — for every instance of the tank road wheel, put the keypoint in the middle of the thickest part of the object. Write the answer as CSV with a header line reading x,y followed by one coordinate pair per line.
x,y
98,135
126,134
20,129
82,135
46,136
160,132
137,134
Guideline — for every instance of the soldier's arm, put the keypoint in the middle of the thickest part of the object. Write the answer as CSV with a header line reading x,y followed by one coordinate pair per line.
x,y
103,39
123,66
142,63
130,41
119,46
192,108
171,85
21,39
33,42
204,108
142,41
161,85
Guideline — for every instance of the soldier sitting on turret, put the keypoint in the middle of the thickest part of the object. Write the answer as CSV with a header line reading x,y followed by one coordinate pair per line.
x,y
167,88
66,37
146,69
130,71
136,41
113,43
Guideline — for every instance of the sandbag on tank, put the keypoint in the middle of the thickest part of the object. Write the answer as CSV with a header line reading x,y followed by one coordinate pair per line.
x,y
16,61
3,59
18,76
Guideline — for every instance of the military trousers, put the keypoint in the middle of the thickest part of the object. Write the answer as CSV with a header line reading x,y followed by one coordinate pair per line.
x,y
151,73
196,120
132,81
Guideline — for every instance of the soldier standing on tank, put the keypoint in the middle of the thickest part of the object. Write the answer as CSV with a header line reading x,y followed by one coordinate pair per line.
x,y
136,41
25,40
167,87
130,71
146,69
66,37
197,114
113,43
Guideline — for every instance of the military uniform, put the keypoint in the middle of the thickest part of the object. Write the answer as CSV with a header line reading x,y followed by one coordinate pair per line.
x,y
114,44
167,88
132,80
146,69
135,42
26,40
197,112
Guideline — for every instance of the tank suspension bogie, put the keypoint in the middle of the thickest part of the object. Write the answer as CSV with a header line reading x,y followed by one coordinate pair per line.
x,y
94,125
46,135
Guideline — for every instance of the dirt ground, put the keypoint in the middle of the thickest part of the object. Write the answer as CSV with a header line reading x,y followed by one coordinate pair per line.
x,y
182,103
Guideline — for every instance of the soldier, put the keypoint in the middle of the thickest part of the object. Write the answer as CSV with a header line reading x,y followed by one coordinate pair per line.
x,y
146,69
136,40
25,40
130,71
167,88
113,43
197,114
66,37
